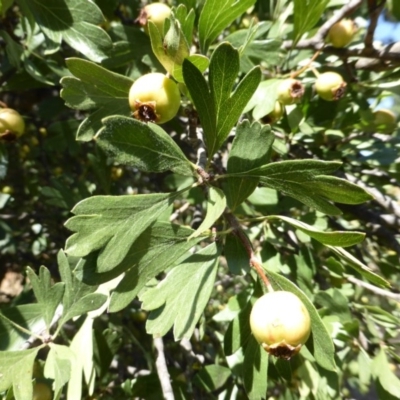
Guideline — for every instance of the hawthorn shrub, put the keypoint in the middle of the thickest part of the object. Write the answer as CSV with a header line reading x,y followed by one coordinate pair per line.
x,y
133,251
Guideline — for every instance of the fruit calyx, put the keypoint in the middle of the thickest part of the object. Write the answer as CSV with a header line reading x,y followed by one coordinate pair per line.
x,y
146,112
290,91
282,350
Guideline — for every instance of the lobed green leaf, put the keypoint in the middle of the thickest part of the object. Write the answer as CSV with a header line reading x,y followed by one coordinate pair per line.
x,y
48,296
16,368
111,224
180,298
75,21
147,147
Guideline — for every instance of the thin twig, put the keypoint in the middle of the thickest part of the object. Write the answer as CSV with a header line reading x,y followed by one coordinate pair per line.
x,y
374,10
192,359
384,201
162,370
179,211
317,41
374,289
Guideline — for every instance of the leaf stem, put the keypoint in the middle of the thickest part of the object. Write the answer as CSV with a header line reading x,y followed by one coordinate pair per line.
x,y
254,261
20,328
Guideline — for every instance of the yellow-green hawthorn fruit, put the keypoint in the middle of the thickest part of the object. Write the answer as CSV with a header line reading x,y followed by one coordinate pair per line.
x,y
385,121
275,115
156,13
290,91
11,120
154,98
341,34
281,323
330,86
41,391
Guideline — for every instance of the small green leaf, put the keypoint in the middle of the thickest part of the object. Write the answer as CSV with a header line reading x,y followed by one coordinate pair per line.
x,y
255,371
250,149
338,238
112,224
173,48
298,179
180,298
12,319
199,61
14,49
239,332
58,367
340,190
212,377
147,147
224,69
93,86
74,21
236,255
218,15
74,289
307,13
336,303
87,303
219,109
82,349
161,241
381,370
254,48
202,99
320,343
264,98
216,204
104,83
356,264
48,296
186,20
16,369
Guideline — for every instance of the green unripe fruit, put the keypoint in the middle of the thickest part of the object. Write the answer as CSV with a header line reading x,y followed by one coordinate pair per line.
x,y
154,98
156,13
11,121
341,34
275,115
290,91
280,322
41,391
330,86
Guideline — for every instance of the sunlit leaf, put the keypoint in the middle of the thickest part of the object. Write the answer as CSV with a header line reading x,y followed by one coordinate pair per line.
x,y
180,298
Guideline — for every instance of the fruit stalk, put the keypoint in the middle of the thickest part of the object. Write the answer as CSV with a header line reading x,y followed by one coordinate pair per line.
x,y
254,262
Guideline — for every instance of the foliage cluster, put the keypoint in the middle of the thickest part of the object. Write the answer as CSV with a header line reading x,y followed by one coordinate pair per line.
x,y
143,247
